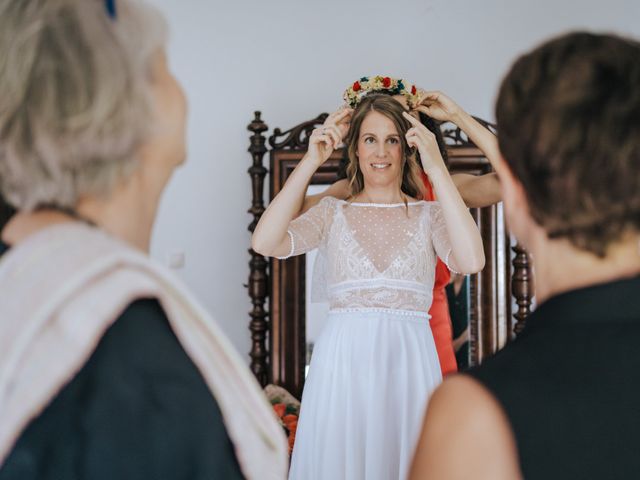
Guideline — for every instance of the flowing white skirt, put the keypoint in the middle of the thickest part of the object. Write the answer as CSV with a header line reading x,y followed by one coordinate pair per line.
x,y
365,396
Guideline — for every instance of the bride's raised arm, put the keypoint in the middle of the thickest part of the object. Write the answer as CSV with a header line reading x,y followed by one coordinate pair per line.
x,y
467,253
270,237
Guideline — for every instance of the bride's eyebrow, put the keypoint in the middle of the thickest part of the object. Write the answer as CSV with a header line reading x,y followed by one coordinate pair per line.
x,y
374,135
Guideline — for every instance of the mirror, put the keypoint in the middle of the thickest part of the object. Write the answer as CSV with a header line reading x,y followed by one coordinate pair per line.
x,y
283,335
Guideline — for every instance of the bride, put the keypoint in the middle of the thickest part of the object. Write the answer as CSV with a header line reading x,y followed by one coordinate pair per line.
x,y
375,363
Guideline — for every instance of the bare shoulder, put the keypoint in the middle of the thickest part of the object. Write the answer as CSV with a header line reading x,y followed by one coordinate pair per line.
x,y
465,434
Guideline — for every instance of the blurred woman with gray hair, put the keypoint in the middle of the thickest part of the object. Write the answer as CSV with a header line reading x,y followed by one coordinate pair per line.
x,y
108,367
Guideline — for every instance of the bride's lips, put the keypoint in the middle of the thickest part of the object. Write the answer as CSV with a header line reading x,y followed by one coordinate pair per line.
x,y
380,165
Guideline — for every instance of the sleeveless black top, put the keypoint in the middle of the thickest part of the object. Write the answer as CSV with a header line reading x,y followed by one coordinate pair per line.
x,y
570,385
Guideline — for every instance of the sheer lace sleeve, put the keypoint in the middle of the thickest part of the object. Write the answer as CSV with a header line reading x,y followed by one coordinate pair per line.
x,y
439,234
307,231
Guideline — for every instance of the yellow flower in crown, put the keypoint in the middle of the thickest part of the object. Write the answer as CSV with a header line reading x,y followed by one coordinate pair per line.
x,y
378,83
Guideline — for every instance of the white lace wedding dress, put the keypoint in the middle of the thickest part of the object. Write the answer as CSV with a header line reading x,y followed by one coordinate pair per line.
x,y
375,363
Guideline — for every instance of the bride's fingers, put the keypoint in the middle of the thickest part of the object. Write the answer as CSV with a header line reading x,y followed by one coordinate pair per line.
x,y
416,124
339,116
328,140
432,95
424,109
339,122
335,129
334,132
322,138
412,138
331,118
413,121
420,137
426,137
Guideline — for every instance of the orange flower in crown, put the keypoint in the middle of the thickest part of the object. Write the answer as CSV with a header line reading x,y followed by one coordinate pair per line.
x,y
378,83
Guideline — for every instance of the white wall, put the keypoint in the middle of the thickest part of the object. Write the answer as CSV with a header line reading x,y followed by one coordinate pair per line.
x,y
292,59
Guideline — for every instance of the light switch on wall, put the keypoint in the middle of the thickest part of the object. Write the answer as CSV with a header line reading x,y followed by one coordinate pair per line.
x,y
175,260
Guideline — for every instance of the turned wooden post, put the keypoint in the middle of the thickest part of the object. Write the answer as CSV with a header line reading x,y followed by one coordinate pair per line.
x,y
521,286
258,277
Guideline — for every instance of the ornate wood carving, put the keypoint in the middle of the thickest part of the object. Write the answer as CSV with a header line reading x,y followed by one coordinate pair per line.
x,y
258,278
298,136
521,286
454,136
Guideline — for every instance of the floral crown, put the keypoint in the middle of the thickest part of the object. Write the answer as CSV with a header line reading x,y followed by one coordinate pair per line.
x,y
392,86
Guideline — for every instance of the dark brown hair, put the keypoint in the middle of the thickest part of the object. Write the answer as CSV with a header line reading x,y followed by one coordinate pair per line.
x,y
392,109
568,117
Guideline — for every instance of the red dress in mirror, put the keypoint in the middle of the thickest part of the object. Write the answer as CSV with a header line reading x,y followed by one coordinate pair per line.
x,y
440,321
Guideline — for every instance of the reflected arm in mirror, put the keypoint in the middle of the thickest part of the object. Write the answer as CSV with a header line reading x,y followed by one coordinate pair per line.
x,y
465,434
339,189
478,191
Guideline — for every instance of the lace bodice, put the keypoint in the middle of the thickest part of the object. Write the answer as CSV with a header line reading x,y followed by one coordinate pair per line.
x,y
372,256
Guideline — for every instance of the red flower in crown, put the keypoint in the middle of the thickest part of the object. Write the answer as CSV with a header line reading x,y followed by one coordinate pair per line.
x,y
414,90
386,82
356,87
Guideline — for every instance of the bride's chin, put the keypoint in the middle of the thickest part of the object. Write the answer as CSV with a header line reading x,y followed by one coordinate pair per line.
x,y
379,181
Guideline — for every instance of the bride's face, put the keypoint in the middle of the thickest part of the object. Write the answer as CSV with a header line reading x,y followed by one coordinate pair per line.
x,y
379,150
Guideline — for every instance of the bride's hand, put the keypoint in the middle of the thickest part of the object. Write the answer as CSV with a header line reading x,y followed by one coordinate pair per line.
x,y
326,138
419,137
439,107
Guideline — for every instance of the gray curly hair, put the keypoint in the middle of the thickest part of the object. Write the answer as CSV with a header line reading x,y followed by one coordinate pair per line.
x,y
75,102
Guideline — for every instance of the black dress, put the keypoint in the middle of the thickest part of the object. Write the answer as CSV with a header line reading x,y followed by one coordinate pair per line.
x,y
459,310
570,385
138,409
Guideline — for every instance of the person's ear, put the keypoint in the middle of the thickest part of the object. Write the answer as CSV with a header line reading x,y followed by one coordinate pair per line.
x,y
516,204
513,192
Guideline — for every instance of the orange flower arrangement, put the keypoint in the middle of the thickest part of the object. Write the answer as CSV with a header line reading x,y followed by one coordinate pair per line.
x,y
287,409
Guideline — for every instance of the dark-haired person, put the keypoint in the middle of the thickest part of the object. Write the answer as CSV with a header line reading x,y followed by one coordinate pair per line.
x,y
561,401
376,353
476,191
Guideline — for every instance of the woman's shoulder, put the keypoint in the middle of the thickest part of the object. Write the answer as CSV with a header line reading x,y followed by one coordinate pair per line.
x,y
329,204
138,375
430,203
330,201
463,419
431,208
